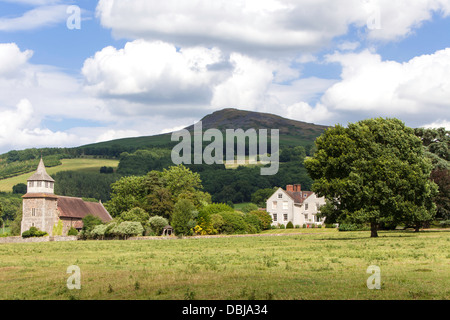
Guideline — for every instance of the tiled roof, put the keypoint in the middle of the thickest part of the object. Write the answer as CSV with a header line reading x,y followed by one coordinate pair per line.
x,y
77,208
299,197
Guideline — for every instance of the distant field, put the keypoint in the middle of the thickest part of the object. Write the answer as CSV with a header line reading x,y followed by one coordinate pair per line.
x,y
80,164
321,264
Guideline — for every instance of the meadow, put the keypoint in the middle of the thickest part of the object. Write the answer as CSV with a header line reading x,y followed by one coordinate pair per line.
x,y
316,264
78,164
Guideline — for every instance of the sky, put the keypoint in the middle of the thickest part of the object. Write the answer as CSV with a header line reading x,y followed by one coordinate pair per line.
x,y
78,72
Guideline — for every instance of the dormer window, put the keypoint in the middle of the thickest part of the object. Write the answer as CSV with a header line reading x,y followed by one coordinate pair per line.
x,y
280,196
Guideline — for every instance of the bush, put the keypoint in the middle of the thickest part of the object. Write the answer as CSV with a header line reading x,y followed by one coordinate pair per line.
x,y
157,224
234,223
281,226
352,227
254,223
304,226
34,232
135,214
264,217
246,208
290,225
99,231
183,217
72,232
297,226
127,229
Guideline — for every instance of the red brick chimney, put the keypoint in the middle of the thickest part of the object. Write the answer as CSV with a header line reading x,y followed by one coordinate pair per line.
x,y
290,187
297,188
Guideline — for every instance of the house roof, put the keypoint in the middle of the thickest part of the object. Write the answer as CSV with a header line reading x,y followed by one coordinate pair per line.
x,y
70,207
300,196
41,174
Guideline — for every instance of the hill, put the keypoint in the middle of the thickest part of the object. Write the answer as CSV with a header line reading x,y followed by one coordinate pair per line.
x,y
292,132
83,165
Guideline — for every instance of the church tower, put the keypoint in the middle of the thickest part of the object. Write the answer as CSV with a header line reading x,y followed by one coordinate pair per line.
x,y
40,202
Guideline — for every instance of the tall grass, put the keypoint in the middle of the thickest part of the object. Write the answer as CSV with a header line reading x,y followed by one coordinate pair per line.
x,y
327,265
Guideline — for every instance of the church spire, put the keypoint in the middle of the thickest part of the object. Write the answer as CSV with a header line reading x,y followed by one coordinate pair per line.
x,y
40,181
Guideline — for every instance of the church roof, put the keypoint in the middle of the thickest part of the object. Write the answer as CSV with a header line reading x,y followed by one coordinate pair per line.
x,y
41,174
70,207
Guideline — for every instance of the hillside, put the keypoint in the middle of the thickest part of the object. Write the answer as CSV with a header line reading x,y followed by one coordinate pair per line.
x,y
292,132
83,165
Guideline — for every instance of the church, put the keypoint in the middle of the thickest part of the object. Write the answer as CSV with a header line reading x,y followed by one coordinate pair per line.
x,y
44,210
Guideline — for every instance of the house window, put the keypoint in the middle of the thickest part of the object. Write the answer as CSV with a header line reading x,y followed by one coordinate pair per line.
x,y
285,217
274,217
306,217
280,196
318,206
285,205
306,206
274,205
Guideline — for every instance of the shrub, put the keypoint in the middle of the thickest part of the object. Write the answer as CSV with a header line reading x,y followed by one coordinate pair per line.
x,y
290,225
282,226
127,229
99,231
246,208
254,223
157,224
217,222
135,214
233,223
444,224
72,232
58,228
89,222
34,232
304,226
264,217
183,217
352,227
297,226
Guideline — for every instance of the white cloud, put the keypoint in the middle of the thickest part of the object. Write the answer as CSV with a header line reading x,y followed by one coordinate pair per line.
x,y
154,72
438,124
258,27
20,127
12,59
41,16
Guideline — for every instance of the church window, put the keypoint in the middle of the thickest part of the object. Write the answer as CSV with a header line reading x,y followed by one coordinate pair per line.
x,y
46,184
39,184
33,212
31,183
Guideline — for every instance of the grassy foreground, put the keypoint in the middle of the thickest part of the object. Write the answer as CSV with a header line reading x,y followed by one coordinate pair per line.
x,y
79,164
312,265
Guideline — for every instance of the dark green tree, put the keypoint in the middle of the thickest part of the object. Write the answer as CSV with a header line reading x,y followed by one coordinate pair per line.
x,y
20,188
374,171
183,217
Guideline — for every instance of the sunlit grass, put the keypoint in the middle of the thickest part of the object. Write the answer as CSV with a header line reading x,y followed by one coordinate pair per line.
x,y
319,265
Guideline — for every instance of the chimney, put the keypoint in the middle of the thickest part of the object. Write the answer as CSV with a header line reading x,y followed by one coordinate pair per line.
x,y
290,187
297,188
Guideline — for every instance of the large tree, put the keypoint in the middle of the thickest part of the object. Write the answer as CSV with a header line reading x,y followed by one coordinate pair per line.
x,y
373,171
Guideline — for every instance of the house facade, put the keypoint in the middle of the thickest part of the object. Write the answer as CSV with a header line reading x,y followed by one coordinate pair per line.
x,y
294,205
42,209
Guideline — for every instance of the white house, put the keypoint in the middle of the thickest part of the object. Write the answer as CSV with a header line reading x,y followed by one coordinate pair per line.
x,y
293,204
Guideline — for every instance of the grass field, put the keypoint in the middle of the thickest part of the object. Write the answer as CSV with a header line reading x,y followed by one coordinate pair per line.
x,y
80,164
317,264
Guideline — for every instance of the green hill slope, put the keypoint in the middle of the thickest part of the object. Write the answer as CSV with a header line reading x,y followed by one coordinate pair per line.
x,y
84,165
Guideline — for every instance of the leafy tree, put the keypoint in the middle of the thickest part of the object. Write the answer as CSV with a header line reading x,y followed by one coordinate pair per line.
x,y
442,200
135,214
126,193
373,172
260,196
264,217
246,208
157,224
72,232
127,229
183,217
89,222
20,188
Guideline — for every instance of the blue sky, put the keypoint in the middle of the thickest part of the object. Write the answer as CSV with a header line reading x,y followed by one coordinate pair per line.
x,y
141,67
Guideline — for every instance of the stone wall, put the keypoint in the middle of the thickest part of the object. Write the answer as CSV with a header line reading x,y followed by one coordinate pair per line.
x,y
37,240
